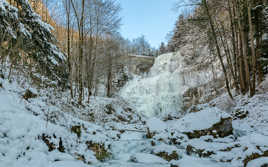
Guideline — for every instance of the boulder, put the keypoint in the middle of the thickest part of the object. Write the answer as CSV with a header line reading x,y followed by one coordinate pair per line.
x,y
209,121
100,150
200,152
29,95
221,129
77,130
165,155
167,152
256,160
52,142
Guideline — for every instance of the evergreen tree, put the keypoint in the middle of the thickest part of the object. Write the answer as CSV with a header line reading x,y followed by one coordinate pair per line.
x,y
178,33
162,48
26,34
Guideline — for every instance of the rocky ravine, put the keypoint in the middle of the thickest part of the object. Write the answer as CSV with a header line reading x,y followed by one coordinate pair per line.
x,y
45,130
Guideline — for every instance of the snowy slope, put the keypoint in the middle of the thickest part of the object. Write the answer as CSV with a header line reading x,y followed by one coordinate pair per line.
x,y
29,128
33,132
19,132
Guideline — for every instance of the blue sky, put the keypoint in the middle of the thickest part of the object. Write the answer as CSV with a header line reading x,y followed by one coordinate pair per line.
x,y
152,18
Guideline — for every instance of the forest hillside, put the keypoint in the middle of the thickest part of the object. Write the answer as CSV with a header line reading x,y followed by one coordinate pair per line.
x,y
75,92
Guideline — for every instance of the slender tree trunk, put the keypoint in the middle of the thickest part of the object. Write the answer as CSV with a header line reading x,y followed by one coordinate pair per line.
x,y
243,34
80,68
46,9
241,68
217,47
240,64
236,37
258,45
109,78
253,53
228,54
68,6
90,64
234,40
80,25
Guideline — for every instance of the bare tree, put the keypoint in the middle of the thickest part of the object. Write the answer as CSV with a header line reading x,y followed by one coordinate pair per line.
x,y
80,20
204,2
67,6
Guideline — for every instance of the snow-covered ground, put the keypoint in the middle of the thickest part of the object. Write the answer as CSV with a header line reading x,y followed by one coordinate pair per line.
x,y
51,131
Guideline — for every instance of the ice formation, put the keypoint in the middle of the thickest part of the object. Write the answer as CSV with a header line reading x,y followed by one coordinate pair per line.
x,y
158,93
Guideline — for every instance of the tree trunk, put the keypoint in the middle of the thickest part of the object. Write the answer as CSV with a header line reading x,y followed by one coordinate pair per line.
x,y
68,5
109,77
80,26
243,33
217,47
234,40
228,54
253,53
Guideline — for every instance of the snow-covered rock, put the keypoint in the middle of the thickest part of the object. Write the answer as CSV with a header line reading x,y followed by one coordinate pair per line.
x,y
156,125
210,121
260,162
196,162
147,158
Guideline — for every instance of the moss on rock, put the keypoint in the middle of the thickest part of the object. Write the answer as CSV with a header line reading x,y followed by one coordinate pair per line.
x,y
29,95
77,130
173,156
200,152
101,153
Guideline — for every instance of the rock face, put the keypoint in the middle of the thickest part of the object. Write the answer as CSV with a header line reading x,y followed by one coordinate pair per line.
x,y
126,67
202,94
138,64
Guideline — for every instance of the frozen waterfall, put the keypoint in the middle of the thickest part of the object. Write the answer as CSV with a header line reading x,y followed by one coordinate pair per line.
x,y
159,92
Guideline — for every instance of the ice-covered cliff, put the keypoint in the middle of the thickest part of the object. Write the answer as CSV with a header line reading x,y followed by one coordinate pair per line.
x,y
173,85
159,92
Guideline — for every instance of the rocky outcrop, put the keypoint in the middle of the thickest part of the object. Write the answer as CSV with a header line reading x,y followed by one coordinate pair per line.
x,y
138,64
190,150
77,130
52,142
101,152
29,95
169,157
203,93
221,129
254,157
209,121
